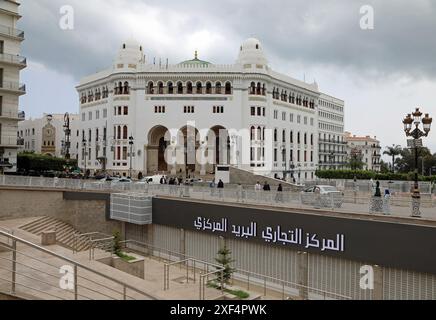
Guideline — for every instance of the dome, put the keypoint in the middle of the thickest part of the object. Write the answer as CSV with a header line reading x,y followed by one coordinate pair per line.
x,y
130,52
251,52
195,61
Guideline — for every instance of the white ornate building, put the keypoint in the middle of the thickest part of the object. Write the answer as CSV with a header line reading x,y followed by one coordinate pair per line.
x,y
244,114
332,146
10,88
46,135
366,148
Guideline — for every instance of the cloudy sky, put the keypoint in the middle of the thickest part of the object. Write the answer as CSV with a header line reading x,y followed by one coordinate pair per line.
x,y
382,74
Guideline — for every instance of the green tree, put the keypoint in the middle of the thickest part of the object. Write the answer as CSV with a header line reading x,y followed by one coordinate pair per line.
x,y
225,260
393,151
116,244
355,161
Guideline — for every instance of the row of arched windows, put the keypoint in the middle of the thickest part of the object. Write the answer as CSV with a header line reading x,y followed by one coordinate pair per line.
x,y
189,88
121,88
94,95
258,89
293,98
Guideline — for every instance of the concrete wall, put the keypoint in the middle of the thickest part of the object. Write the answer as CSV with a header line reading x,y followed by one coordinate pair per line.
x,y
84,215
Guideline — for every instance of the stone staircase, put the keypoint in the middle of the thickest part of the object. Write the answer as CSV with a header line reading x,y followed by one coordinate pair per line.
x,y
64,232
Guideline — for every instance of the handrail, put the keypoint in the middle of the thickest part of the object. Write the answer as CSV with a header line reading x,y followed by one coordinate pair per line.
x,y
76,264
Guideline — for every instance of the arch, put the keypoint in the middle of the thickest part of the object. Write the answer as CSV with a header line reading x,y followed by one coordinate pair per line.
x,y
259,89
189,89
208,87
179,87
158,141
170,88
150,87
253,133
218,88
189,137
228,88
264,89
219,136
253,88
199,88
126,88
125,133
160,87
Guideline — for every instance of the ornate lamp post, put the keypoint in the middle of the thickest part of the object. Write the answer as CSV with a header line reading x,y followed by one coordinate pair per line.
x,y
131,143
411,128
67,132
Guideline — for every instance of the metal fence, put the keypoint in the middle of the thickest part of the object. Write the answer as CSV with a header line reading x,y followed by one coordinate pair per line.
x,y
352,201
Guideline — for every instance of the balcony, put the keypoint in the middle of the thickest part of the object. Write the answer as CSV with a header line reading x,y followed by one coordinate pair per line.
x,y
14,87
20,115
10,142
13,59
11,32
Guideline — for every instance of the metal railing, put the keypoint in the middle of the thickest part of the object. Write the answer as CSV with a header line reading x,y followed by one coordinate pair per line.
x,y
352,201
13,86
84,282
13,114
11,32
10,58
251,279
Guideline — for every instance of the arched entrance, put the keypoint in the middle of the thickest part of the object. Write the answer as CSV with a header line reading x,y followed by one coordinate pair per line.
x,y
219,142
158,141
189,137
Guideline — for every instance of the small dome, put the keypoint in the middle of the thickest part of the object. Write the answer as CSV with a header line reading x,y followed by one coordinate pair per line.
x,y
195,61
251,52
130,52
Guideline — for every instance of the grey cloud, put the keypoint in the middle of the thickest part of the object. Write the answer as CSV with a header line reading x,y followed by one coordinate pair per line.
x,y
314,32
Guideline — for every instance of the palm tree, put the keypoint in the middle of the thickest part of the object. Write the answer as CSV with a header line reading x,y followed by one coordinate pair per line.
x,y
393,151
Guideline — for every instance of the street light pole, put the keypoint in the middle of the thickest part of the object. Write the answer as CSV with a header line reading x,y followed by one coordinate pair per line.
x,y
131,142
415,119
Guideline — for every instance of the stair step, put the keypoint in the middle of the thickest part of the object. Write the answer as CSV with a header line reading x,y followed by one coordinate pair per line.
x,y
35,223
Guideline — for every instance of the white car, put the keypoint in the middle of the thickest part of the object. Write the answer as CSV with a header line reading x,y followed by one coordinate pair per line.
x,y
322,196
152,180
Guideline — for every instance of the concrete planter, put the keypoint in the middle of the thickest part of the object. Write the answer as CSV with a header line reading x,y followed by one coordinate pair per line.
x,y
134,267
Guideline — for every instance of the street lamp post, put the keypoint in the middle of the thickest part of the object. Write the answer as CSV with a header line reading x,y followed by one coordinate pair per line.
x,y
411,128
84,152
131,143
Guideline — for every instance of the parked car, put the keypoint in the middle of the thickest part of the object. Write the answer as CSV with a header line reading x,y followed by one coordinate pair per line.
x,y
152,179
322,196
192,181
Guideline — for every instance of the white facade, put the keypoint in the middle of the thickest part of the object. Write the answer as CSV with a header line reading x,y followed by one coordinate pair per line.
x,y
268,121
332,146
367,148
48,137
10,88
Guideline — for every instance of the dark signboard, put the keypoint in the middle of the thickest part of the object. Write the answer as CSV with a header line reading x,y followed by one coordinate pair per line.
x,y
405,246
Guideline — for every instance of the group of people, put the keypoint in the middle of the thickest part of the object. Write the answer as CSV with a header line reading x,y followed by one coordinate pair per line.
x,y
266,187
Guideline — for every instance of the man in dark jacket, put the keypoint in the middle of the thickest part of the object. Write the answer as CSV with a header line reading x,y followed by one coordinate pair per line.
x,y
220,184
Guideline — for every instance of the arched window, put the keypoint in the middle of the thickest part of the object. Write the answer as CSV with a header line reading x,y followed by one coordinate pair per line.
x,y
253,133
259,89
253,88
259,133
126,88
125,133
292,137
208,88
284,136
299,138
150,88
276,135
199,88
160,88
264,89
305,138
119,133
218,88
311,139
179,88
285,97
189,88
228,88
170,88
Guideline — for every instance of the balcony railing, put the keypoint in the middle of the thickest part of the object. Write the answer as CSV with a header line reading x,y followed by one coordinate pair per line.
x,y
13,86
9,142
11,32
20,115
15,59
